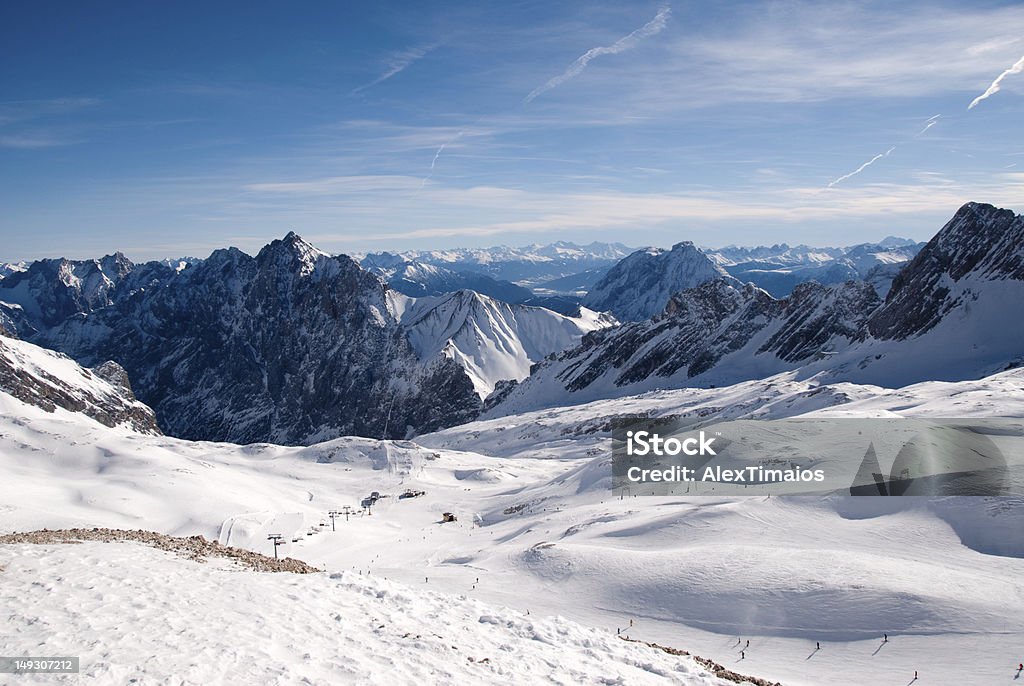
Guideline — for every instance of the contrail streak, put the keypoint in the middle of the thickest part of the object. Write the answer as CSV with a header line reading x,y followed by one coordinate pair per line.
x,y
437,156
651,28
1017,68
862,167
928,124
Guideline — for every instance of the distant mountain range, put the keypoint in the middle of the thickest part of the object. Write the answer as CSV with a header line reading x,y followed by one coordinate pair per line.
x,y
527,266
778,269
419,279
580,274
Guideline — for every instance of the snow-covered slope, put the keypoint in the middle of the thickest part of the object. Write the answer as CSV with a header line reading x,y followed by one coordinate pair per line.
x,y
538,532
640,285
492,340
213,624
50,380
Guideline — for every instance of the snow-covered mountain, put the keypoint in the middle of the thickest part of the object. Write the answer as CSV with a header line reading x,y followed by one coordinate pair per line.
x,y
778,269
50,380
492,340
292,346
8,268
48,291
641,284
179,263
717,333
529,265
953,312
418,279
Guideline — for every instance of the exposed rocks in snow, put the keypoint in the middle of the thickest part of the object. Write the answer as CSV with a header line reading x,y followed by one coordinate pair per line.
x,y
194,548
49,380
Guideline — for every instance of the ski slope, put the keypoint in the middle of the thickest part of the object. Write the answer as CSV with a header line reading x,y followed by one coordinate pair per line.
x,y
133,614
537,531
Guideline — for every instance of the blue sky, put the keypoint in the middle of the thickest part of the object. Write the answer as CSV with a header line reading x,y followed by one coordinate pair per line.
x,y
164,129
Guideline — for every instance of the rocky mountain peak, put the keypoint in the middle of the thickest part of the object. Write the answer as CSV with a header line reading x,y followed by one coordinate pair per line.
x,y
640,285
291,253
980,243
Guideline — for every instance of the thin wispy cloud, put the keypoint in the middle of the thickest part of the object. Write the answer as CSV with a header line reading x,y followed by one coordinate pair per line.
x,y
1017,68
336,185
862,167
398,63
651,28
33,142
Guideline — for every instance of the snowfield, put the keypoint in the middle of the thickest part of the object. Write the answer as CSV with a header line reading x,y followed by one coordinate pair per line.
x,y
133,614
538,531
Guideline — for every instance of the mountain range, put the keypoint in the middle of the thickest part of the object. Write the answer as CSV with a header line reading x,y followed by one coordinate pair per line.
x,y
950,314
528,266
295,345
292,345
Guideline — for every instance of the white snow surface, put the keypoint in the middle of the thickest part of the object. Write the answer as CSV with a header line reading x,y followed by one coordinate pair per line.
x,y
490,339
135,614
538,530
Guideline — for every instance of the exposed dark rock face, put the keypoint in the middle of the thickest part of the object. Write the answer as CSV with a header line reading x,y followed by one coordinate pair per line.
x,y
980,241
702,325
817,315
291,346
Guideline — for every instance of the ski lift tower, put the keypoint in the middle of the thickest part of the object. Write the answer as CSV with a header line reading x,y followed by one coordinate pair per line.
x,y
276,538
